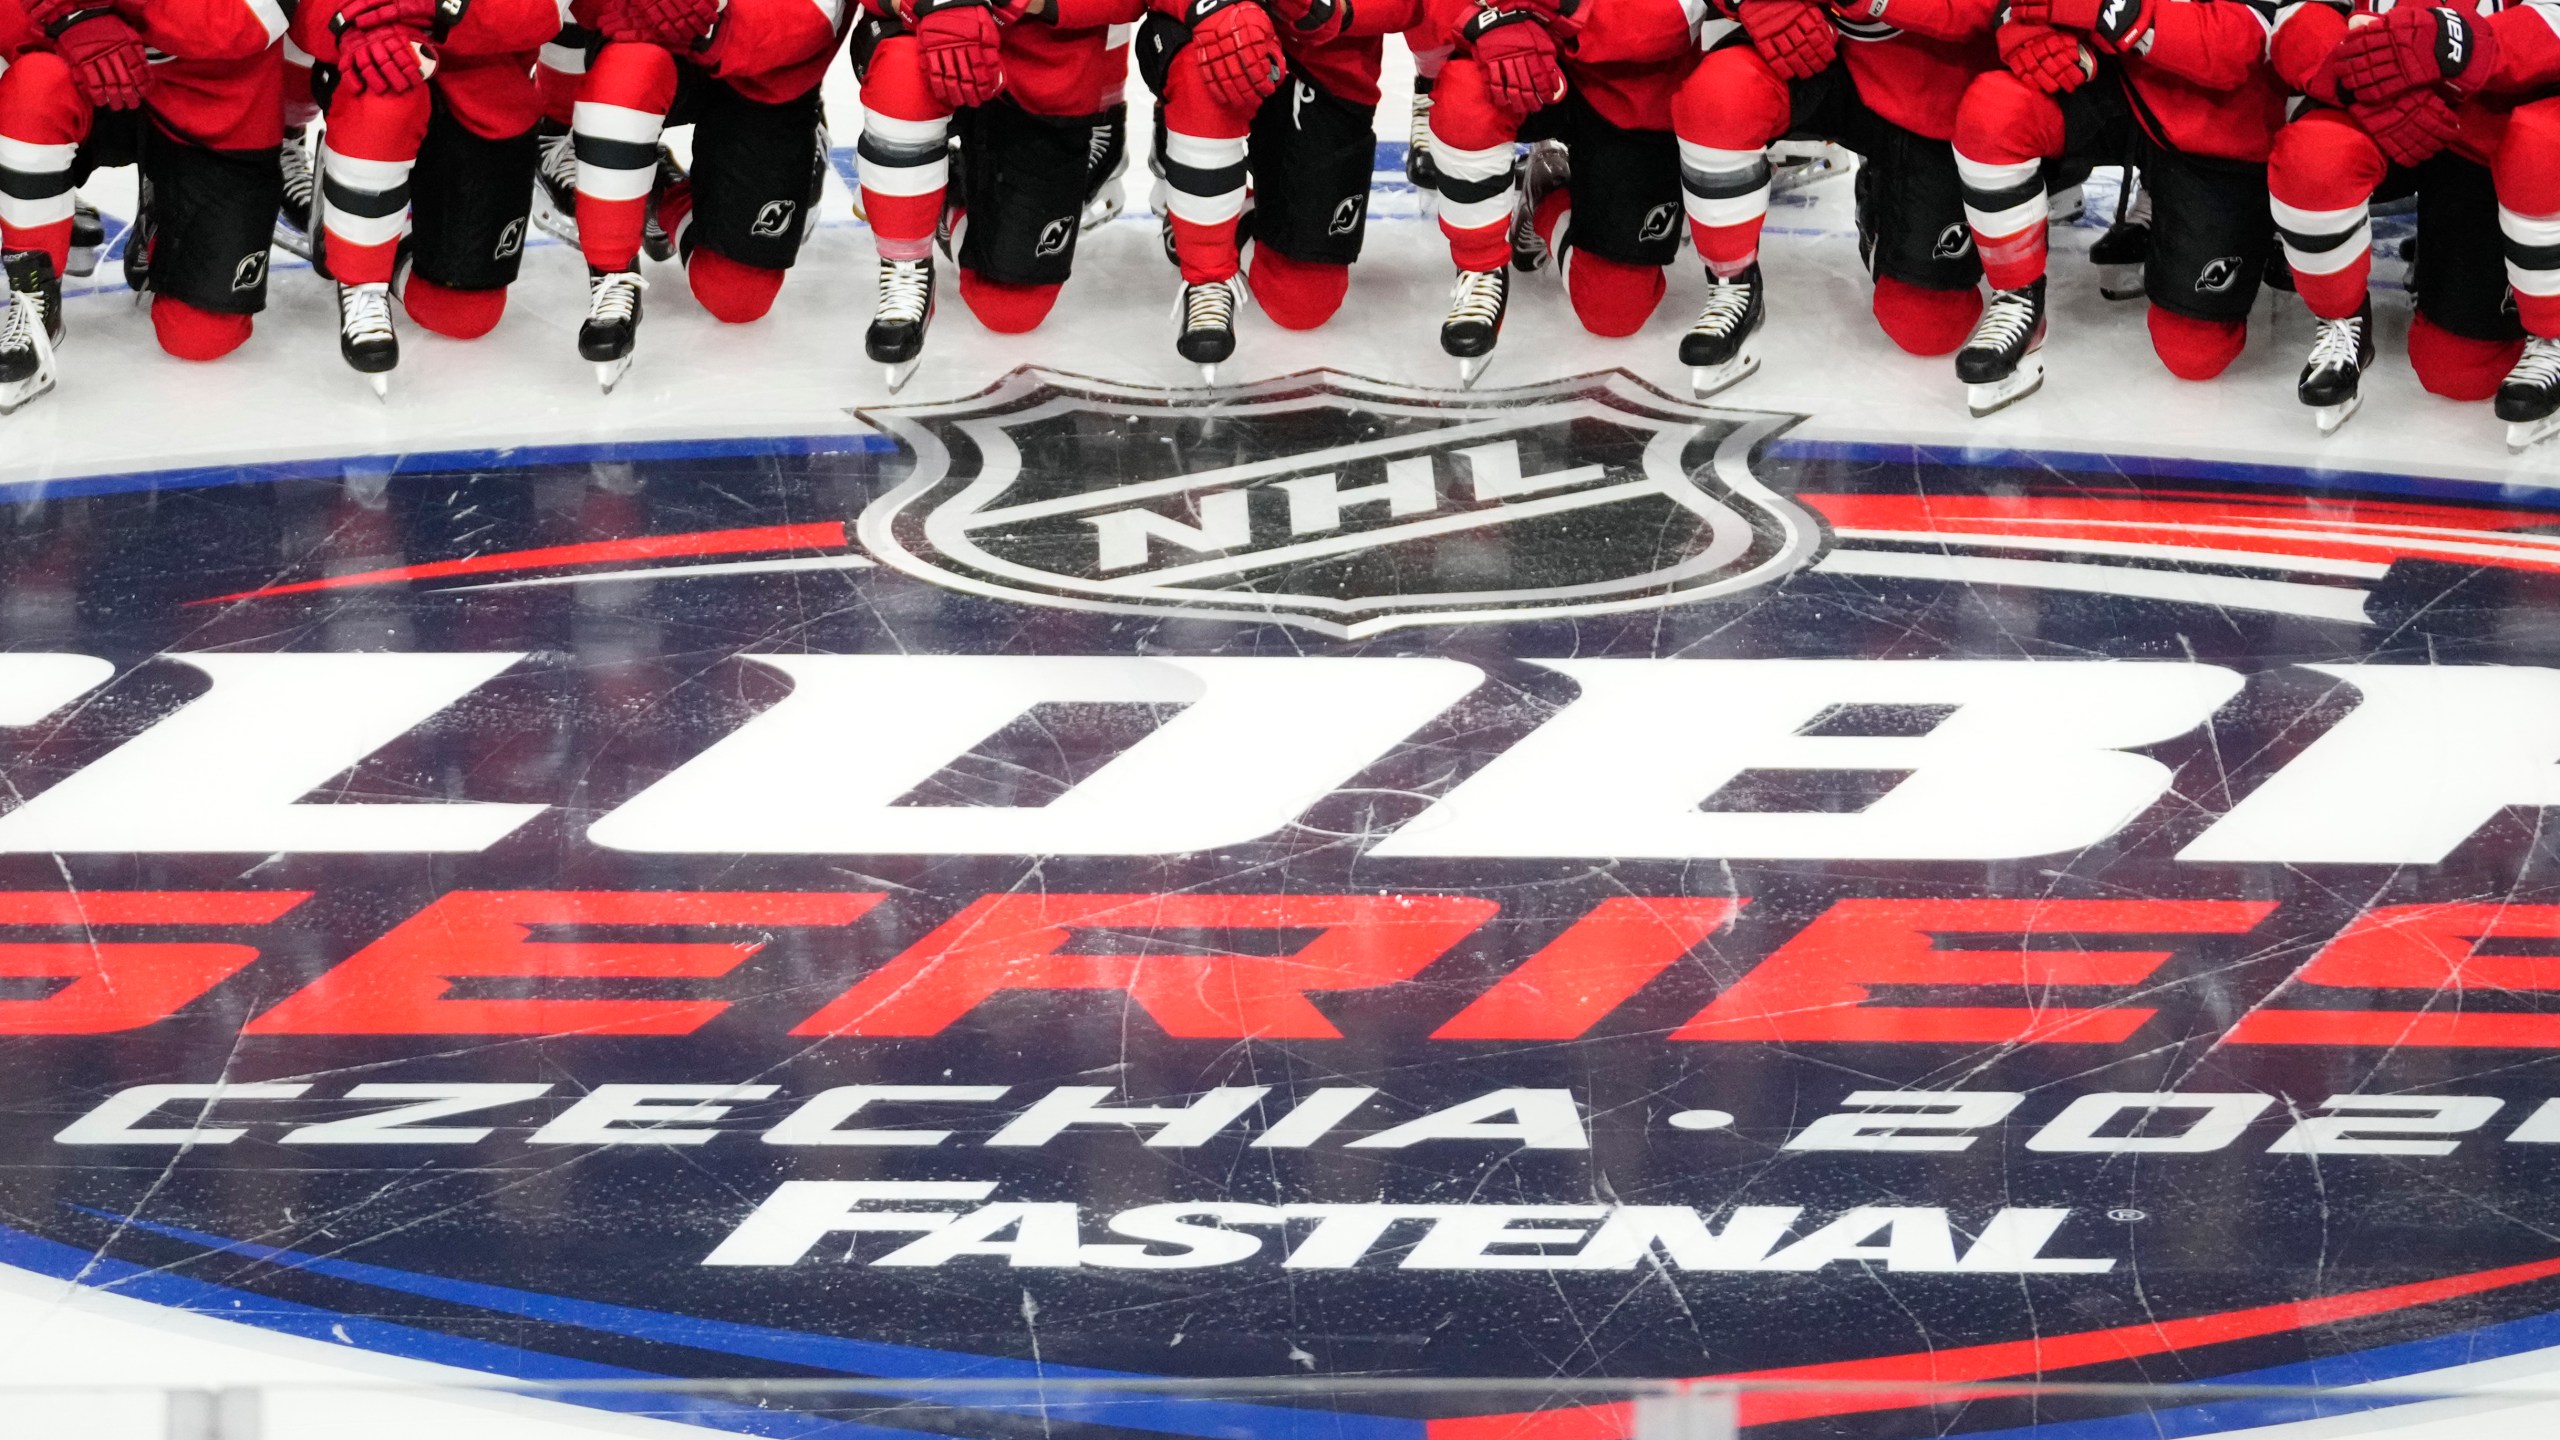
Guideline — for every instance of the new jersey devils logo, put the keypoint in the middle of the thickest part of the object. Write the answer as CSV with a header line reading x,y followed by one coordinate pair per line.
x,y
510,240
774,218
2219,275
250,273
1054,237
1953,242
1658,222
1346,216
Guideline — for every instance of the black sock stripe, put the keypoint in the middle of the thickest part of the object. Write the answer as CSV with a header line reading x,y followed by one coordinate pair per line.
x,y
2318,244
369,204
34,184
1193,180
2532,257
1468,192
872,150
1724,184
613,154
2009,199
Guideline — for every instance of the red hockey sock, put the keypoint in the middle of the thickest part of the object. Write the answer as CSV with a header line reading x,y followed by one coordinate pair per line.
x,y
621,108
1006,309
2456,367
1204,170
1296,294
2004,130
461,314
905,152
1925,322
365,156
2196,349
1725,114
2320,182
1471,145
45,117
193,334
732,292
1611,297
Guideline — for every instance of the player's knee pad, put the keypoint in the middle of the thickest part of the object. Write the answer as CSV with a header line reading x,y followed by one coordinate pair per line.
x,y
1925,322
1731,101
1296,294
2196,349
460,314
734,293
2456,366
1611,297
1006,309
2004,121
193,334
633,76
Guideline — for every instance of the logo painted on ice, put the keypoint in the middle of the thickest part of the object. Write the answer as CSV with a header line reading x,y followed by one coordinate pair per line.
x,y
1340,504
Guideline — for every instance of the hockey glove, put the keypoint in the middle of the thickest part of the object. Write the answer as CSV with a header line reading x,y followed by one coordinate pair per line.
x,y
2410,127
1315,21
2115,24
382,60
2047,59
105,56
1794,36
1237,49
418,15
1518,57
675,24
2329,84
958,41
2412,47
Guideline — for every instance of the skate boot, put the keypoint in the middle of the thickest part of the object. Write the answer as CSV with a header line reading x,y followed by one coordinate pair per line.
x,y
88,237
612,327
1544,171
2529,400
33,329
1718,349
301,193
899,318
655,242
1106,160
365,337
1208,312
1418,164
1474,322
555,182
2341,351
2122,252
1998,363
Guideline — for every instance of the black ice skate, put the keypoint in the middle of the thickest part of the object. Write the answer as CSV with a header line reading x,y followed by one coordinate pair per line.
x,y
88,237
612,328
139,239
655,242
365,337
2122,252
1718,348
33,329
2331,383
1474,323
1545,170
555,182
1418,165
1106,160
1208,314
1998,363
899,318
294,218
2529,400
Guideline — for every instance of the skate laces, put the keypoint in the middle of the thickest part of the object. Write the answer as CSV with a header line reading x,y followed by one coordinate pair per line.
x,y
1478,297
1208,306
364,314
2006,322
25,328
614,298
295,161
560,161
905,287
1728,304
2338,344
1418,134
2540,365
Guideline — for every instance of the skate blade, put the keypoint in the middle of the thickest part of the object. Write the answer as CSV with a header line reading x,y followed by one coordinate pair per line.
x,y
382,386
1099,213
2120,282
1706,380
548,219
1209,375
2523,435
1471,368
900,373
2330,417
609,373
12,397
82,262
293,242
2001,394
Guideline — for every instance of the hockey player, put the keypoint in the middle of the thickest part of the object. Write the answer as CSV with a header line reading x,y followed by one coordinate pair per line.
x,y
1024,86
1597,76
203,121
431,107
1880,77
1288,97
2181,85
1429,46
2527,173
2373,127
744,74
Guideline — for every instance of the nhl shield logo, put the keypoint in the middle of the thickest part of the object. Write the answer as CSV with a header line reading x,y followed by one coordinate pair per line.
x,y
1340,504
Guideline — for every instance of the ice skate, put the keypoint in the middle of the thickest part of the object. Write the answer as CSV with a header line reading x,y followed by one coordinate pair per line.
x,y
301,192
2122,252
1998,363
555,183
655,241
1208,314
2331,383
1106,160
33,329
365,337
1545,170
2529,400
2068,205
612,328
1474,323
1418,164
88,237
1718,348
899,318
138,242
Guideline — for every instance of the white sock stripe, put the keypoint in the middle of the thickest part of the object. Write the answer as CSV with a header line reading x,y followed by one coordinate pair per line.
x,y
616,122
1708,160
1205,209
1203,152
28,158
2318,222
20,214
1728,209
295,54
566,59
1475,214
2535,230
2540,284
1117,37
362,229
2359,243
2002,224
372,176
1983,175
602,184
1468,164
896,134
923,179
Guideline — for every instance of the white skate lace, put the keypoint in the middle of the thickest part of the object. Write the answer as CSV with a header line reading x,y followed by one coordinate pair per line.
x,y
614,299
25,327
298,183
1418,134
364,314
905,287
2338,344
1208,307
1728,305
2006,324
560,162
1478,297
2539,367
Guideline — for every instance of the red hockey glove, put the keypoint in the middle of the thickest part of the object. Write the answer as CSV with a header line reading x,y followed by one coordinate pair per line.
x,y
2414,47
2051,61
958,40
2115,24
1794,36
1238,49
1314,21
418,15
382,60
105,56
2410,127
1518,57
675,24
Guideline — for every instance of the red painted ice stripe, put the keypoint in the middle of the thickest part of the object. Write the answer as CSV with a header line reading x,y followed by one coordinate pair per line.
x,y
1905,512
2006,1360
827,535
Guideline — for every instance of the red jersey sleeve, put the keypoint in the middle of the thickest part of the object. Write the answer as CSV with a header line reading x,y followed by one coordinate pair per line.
x,y
2216,44
2528,48
211,29
2305,33
1937,19
1091,14
1620,31
1377,17
758,36
501,27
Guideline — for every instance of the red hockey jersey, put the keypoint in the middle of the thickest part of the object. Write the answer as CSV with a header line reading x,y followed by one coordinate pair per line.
x,y
2528,58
